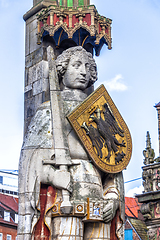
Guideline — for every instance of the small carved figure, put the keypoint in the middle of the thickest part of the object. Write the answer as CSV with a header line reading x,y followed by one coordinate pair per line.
x,y
158,209
147,176
152,233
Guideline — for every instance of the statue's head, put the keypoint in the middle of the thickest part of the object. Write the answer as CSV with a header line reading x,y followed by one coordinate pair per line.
x,y
76,68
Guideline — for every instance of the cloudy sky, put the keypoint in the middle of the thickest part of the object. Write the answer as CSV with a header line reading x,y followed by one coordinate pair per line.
x,y
130,72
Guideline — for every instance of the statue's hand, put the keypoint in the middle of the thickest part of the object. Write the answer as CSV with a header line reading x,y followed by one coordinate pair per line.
x,y
57,178
62,178
110,209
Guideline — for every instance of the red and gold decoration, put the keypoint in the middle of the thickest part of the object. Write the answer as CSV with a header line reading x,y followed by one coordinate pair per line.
x,y
82,24
46,202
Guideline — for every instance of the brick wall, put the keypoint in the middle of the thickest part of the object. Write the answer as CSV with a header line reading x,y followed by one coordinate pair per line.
x,y
8,230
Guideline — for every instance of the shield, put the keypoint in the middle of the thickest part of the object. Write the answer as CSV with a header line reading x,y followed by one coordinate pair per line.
x,y
102,131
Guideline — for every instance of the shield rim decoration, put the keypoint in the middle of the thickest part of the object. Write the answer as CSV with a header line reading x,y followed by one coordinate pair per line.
x,y
86,107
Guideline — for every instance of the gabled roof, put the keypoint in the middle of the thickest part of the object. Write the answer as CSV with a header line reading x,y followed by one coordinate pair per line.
x,y
4,207
9,202
134,218
140,228
12,223
132,207
157,105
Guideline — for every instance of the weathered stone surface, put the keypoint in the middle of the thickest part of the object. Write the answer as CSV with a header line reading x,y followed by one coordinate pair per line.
x,y
34,57
38,72
39,130
28,88
62,228
31,35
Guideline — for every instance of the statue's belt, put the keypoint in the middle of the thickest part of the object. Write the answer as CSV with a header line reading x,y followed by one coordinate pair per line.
x,y
88,210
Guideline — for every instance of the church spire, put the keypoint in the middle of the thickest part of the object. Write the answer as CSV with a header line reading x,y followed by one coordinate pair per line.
x,y
148,141
148,153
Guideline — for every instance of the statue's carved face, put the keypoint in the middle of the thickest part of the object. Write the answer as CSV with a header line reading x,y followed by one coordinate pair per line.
x,y
77,75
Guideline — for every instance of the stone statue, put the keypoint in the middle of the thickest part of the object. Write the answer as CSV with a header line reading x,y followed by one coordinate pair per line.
x,y
44,183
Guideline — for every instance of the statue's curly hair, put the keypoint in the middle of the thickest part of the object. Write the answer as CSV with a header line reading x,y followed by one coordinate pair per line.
x,y
63,59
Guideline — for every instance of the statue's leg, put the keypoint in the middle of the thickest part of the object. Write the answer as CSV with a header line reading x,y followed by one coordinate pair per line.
x,y
67,228
96,230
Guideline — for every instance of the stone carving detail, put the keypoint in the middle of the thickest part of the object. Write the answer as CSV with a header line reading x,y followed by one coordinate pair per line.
x,y
61,192
152,233
151,178
147,176
151,170
146,211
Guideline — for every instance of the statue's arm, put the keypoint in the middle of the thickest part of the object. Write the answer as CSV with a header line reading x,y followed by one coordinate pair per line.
x,y
113,193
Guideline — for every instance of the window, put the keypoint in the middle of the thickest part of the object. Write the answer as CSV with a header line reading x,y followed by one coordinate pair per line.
x,y
128,234
9,237
1,236
7,216
16,218
1,180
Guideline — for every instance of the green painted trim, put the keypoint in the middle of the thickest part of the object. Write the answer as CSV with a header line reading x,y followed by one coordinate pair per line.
x,y
69,3
60,3
80,2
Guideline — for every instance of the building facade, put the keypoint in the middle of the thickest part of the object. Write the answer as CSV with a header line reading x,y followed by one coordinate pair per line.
x,y
8,204
9,182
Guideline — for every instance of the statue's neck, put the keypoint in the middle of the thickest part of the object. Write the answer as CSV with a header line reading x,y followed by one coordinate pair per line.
x,y
73,94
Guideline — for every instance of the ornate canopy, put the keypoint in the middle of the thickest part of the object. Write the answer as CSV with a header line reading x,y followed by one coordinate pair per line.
x,y
75,20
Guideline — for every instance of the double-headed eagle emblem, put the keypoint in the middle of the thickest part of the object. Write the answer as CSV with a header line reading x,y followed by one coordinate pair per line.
x,y
103,131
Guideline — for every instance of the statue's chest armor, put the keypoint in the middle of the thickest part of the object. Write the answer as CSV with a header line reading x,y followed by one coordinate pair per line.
x,y
86,180
76,148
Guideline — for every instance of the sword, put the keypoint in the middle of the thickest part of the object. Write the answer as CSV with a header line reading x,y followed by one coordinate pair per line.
x,y
62,156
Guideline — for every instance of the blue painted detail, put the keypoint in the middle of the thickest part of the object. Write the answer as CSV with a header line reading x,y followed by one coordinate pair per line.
x,y
96,211
99,46
1,179
59,36
81,37
44,34
128,234
90,40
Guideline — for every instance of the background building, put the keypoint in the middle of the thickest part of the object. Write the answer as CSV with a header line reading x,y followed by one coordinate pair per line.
x,y
9,182
150,199
8,204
